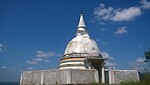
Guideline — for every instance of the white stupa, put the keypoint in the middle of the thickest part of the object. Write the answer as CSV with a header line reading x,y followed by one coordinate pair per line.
x,y
81,63
82,51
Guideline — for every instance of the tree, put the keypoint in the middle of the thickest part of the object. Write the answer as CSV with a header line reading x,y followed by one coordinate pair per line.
x,y
147,55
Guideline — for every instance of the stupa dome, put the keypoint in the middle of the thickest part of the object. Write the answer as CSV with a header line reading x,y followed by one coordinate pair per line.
x,y
82,43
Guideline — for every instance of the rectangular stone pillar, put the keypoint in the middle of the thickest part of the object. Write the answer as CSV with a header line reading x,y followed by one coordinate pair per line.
x,y
103,75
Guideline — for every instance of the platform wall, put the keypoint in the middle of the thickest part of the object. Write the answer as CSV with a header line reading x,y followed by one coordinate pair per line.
x,y
59,76
118,76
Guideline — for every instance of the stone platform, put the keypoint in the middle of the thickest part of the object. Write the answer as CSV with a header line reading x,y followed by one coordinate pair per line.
x,y
59,76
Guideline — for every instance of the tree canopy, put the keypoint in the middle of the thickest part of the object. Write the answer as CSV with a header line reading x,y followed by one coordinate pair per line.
x,y
147,55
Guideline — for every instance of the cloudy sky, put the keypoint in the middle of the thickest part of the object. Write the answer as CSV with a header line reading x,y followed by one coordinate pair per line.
x,y
34,33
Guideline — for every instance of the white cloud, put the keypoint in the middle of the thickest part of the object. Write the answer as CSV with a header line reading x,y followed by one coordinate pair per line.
x,y
47,60
116,14
38,59
3,67
121,30
139,64
140,60
106,55
103,29
126,14
42,56
101,23
10,69
108,63
1,47
30,68
31,62
145,4
103,13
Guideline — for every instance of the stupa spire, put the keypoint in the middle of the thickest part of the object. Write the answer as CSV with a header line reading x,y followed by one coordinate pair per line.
x,y
81,26
81,22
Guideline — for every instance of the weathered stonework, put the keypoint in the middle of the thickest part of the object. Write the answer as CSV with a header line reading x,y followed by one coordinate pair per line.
x,y
59,76
118,76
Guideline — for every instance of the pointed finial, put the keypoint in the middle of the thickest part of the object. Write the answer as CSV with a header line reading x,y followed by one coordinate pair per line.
x,y
81,26
81,12
81,21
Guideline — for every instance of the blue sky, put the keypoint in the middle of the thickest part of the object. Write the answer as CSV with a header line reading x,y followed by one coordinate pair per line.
x,y
34,33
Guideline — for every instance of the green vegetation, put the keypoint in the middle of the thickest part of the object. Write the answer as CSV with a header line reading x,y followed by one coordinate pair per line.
x,y
145,80
98,84
147,55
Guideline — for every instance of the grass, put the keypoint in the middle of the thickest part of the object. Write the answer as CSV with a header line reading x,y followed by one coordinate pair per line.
x,y
145,80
